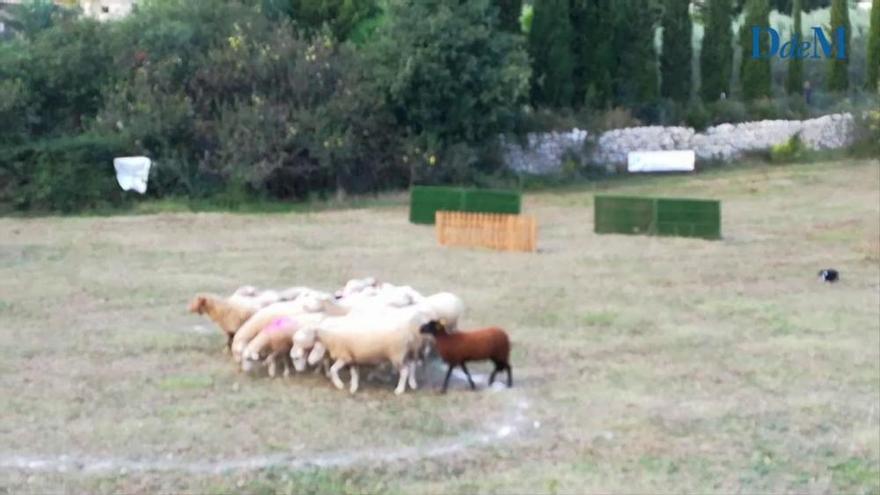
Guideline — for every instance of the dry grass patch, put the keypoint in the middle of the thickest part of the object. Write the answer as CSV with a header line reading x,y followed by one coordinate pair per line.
x,y
641,364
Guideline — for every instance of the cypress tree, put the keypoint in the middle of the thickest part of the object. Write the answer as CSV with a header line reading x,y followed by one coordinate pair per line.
x,y
794,81
580,48
716,53
635,76
675,61
755,73
593,26
838,79
550,42
508,15
874,48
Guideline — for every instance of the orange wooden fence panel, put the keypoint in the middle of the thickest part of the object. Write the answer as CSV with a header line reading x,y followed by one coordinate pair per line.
x,y
490,230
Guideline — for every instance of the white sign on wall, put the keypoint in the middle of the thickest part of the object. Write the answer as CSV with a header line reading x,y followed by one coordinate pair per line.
x,y
661,161
132,172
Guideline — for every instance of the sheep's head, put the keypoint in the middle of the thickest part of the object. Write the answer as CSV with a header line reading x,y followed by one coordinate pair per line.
x,y
303,341
434,327
199,304
248,364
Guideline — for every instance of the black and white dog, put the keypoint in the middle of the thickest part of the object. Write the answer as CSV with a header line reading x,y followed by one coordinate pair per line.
x,y
829,275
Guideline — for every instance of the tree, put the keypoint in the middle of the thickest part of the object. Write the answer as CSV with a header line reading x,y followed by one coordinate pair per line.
x,y
635,76
755,74
33,16
451,75
509,12
874,48
794,81
550,47
716,53
593,25
675,61
838,79
340,15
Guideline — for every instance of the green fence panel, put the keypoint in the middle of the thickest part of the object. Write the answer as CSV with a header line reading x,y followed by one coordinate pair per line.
x,y
623,215
492,201
427,200
658,216
689,218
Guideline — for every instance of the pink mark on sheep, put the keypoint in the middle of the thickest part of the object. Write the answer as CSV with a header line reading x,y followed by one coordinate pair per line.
x,y
279,324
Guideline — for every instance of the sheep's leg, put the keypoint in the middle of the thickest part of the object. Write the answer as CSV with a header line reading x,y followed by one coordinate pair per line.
x,y
509,376
272,364
334,374
468,373
499,366
354,379
412,375
446,381
401,384
229,337
288,363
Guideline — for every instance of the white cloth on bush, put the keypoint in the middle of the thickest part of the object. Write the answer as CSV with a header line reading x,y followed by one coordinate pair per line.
x,y
132,172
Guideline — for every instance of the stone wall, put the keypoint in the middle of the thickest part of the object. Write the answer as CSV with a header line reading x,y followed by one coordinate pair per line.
x,y
545,152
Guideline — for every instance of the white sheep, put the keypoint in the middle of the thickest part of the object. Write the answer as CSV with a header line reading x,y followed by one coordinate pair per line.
x,y
310,302
291,293
355,286
250,296
363,338
384,295
274,341
446,306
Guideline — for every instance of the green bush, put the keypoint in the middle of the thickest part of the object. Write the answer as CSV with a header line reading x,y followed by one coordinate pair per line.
x,y
697,116
616,118
261,111
791,150
453,81
67,174
63,71
728,110
868,133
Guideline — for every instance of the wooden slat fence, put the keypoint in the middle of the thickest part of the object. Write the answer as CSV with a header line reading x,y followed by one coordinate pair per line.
x,y
489,230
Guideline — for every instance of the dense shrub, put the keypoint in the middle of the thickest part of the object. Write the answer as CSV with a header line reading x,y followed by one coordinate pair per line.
x,y
59,76
245,98
262,109
872,57
453,81
868,133
67,174
790,151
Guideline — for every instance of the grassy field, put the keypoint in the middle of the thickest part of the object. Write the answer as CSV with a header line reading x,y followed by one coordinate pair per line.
x,y
641,364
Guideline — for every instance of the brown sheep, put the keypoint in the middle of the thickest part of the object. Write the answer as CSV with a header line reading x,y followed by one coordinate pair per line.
x,y
457,348
227,315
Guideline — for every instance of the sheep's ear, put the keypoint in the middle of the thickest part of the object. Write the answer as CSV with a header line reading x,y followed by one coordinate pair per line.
x,y
443,322
198,305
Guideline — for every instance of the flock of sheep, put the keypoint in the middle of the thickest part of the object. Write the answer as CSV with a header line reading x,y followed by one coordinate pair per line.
x,y
366,322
